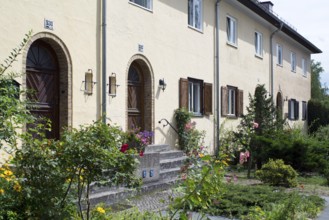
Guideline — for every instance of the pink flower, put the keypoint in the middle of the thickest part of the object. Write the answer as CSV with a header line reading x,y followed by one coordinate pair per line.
x,y
124,148
255,125
141,153
244,156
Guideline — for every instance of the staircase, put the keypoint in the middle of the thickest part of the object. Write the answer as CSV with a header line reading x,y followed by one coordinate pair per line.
x,y
163,162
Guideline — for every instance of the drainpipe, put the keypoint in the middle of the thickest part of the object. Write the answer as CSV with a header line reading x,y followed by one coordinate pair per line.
x,y
217,87
271,52
104,61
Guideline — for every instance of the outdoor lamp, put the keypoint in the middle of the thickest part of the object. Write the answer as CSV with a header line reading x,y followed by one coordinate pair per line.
x,y
162,84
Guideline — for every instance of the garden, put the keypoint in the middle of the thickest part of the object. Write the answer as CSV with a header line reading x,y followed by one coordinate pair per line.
x,y
264,169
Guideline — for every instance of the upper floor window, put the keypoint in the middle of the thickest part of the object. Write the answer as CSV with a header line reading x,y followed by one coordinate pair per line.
x,y
231,29
144,3
293,61
304,69
259,44
195,13
196,96
279,56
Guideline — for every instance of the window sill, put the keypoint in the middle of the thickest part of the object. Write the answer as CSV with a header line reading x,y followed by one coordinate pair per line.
x,y
195,29
279,65
294,71
231,116
232,44
304,75
142,7
259,56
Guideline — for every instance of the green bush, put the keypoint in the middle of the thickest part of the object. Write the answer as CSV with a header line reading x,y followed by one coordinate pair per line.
x,y
276,173
318,114
182,117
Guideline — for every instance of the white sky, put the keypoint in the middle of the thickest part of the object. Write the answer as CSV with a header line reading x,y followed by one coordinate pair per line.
x,y
311,18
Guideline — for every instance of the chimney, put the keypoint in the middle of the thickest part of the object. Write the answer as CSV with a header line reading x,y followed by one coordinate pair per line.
x,y
268,5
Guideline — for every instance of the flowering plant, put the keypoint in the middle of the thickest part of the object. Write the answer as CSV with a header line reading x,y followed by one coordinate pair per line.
x,y
136,140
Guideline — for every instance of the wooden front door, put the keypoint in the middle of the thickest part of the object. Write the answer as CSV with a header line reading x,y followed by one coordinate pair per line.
x,y
42,80
135,98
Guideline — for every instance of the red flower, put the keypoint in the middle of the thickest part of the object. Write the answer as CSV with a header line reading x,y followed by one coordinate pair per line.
x,y
124,148
141,153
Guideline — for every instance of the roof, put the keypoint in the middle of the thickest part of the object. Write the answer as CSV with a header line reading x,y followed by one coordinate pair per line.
x,y
267,15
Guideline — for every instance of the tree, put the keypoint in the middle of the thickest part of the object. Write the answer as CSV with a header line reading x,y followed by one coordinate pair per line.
x,y
317,92
259,123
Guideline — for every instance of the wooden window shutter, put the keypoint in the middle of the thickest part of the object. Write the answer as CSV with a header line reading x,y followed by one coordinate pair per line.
x,y
224,100
240,103
207,98
183,93
289,109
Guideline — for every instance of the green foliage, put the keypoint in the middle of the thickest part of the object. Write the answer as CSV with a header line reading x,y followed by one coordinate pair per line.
x,y
276,173
262,202
55,173
13,111
182,117
202,184
317,92
318,114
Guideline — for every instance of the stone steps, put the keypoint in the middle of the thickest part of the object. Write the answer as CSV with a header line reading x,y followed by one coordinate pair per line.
x,y
167,173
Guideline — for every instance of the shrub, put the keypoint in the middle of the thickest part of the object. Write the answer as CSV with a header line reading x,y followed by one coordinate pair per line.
x,y
318,114
276,173
182,117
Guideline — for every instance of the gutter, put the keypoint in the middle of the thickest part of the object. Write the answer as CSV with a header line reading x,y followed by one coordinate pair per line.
x,y
217,87
104,61
272,66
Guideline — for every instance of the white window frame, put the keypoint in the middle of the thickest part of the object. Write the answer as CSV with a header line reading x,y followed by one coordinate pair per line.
x,y
146,4
304,65
194,96
231,101
304,110
292,109
195,15
231,30
258,44
279,55
293,61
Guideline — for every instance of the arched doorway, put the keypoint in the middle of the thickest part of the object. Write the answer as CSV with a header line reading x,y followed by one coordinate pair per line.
x,y
42,80
135,97
279,105
140,94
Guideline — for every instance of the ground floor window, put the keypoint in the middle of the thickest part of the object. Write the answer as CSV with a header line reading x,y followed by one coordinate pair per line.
x,y
232,101
293,109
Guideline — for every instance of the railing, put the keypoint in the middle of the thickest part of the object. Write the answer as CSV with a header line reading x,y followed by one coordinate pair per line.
x,y
168,123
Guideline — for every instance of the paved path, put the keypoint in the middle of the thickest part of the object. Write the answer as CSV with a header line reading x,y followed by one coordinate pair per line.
x,y
325,214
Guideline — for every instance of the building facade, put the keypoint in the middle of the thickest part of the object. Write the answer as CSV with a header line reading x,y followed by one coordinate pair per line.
x,y
139,60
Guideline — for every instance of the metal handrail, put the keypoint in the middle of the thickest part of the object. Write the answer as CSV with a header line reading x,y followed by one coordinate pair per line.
x,y
168,123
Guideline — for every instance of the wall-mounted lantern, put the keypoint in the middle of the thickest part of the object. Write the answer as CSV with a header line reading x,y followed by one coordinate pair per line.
x,y
286,99
113,85
162,84
89,82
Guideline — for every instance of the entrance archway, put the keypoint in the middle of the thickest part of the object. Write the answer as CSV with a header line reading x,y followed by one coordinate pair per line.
x,y
140,94
47,62
279,105
42,80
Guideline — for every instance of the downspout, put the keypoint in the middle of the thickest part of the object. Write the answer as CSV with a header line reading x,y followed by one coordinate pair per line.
x,y
217,87
104,61
272,66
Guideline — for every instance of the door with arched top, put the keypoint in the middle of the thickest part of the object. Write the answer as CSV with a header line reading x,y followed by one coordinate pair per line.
x,y
135,98
42,82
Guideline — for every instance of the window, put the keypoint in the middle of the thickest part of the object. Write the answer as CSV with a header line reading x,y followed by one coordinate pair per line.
x,y
231,30
259,44
304,67
293,109
304,110
195,13
279,60
196,96
232,101
144,3
293,61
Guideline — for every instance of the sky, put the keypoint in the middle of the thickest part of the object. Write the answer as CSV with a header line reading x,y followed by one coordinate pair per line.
x,y
311,18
